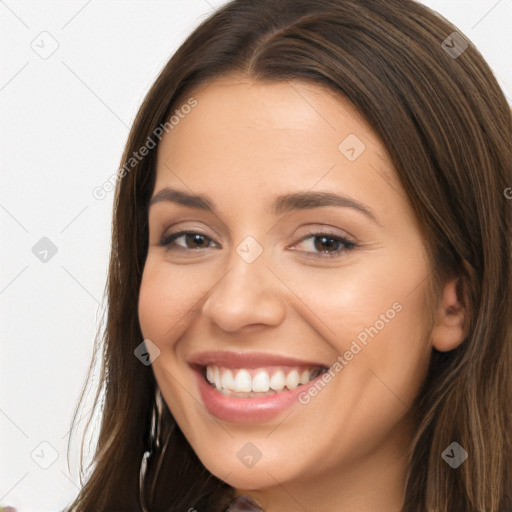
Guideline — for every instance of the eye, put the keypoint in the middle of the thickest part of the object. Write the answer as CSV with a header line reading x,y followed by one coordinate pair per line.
x,y
327,244
324,244
189,237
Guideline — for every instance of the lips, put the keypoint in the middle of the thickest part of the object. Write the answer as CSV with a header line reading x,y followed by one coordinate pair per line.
x,y
238,387
232,359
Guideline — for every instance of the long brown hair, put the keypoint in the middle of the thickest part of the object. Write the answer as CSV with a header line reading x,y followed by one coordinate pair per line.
x,y
448,130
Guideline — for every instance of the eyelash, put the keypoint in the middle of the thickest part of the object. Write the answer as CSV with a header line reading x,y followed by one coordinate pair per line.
x,y
349,245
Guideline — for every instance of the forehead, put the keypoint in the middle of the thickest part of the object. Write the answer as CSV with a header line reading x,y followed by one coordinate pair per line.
x,y
271,136
240,106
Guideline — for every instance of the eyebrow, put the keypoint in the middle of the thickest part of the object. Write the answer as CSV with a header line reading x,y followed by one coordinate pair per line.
x,y
282,204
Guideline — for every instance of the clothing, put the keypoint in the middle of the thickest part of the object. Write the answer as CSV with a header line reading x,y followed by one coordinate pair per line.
x,y
244,504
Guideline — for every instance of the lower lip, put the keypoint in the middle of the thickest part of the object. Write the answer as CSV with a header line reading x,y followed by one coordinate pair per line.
x,y
243,410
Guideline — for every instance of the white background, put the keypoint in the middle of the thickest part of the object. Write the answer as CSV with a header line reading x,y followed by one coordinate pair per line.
x,y
64,121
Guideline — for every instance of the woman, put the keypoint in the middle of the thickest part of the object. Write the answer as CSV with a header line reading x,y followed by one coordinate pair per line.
x,y
310,280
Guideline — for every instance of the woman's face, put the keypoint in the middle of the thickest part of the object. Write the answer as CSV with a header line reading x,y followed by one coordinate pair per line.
x,y
304,254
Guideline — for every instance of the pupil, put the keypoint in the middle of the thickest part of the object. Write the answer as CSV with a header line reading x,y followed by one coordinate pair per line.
x,y
322,241
197,239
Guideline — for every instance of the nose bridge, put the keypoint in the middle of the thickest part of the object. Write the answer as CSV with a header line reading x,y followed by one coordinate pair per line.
x,y
246,267
245,279
244,295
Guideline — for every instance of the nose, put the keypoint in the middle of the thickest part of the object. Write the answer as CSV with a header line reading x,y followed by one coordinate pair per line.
x,y
247,294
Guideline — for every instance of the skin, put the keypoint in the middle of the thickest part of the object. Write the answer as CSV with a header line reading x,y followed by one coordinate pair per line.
x,y
243,144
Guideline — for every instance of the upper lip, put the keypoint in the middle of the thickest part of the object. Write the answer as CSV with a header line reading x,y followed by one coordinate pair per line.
x,y
234,359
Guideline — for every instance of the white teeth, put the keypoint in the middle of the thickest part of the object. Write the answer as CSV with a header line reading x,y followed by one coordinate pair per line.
x,y
243,381
261,382
216,377
292,379
227,379
248,381
277,381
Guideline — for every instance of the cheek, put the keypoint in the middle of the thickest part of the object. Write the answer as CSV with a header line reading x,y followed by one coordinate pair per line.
x,y
372,310
353,296
166,303
165,297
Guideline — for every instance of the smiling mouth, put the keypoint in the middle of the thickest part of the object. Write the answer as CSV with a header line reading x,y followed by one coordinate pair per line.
x,y
258,382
